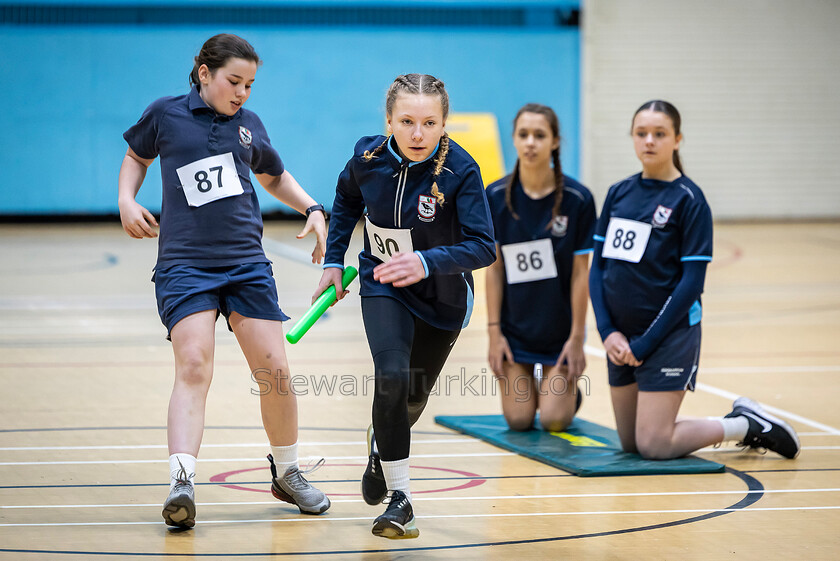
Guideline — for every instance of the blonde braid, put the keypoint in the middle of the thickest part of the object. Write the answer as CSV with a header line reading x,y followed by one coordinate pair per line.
x,y
441,158
368,155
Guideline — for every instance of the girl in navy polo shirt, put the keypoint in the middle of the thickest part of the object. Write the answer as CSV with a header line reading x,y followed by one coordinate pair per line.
x,y
427,227
537,290
211,260
653,242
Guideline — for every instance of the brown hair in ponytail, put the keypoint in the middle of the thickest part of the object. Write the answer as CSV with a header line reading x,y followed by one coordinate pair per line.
x,y
668,109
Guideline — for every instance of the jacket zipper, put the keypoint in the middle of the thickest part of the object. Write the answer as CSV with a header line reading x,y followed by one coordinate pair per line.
x,y
398,197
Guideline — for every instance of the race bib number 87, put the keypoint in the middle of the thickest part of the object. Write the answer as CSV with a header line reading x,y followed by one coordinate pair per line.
x,y
626,240
210,179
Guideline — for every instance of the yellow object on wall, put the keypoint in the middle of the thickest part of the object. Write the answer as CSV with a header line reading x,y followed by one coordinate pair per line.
x,y
478,134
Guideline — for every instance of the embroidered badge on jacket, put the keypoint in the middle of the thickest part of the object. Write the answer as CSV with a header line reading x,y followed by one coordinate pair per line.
x,y
244,137
661,216
559,226
426,208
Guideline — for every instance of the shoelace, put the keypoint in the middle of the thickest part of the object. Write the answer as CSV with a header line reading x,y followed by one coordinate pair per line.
x,y
182,479
395,505
297,481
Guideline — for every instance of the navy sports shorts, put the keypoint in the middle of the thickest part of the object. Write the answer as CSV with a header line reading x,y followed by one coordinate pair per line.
x,y
671,367
247,289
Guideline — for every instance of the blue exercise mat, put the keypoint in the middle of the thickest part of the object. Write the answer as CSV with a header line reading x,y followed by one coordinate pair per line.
x,y
585,449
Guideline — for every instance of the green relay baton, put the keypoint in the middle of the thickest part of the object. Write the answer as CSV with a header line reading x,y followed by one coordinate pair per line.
x,y
324,301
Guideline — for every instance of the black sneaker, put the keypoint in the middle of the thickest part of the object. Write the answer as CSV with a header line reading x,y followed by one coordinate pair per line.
x,y
765,431
179,508
397,522
374,488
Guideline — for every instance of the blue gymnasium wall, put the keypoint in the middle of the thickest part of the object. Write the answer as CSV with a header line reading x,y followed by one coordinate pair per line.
x,y
77,77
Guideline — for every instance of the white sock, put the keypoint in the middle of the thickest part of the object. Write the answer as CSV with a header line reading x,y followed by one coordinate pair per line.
x,y
396,476
734,428
284,457
176,461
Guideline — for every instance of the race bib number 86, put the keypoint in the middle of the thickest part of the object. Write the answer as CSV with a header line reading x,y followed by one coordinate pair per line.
x,y
529,261
210,179
626,240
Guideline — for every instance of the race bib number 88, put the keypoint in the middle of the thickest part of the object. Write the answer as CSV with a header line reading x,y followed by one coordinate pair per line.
x,y
210,179
626,240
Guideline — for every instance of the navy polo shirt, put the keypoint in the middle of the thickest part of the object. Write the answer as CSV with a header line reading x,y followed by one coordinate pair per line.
x,y
671,223
537,314
202,155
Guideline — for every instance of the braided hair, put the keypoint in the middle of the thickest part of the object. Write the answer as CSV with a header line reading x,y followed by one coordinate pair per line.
x,y
554,123
418,84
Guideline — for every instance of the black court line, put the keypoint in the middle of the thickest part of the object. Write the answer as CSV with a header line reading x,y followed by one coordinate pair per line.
x,y
753,485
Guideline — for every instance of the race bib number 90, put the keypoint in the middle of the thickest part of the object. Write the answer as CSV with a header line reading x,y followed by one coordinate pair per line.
x,y
626,240
210,179
385,242
529,261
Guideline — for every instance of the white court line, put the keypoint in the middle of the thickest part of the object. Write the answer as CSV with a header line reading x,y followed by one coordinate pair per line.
x,y
594,351
207,460
441,516
234,445
767,369
436,499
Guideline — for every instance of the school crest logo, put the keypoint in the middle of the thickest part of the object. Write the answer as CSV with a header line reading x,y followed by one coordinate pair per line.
x,y
245,137
559,226
426,208
661,216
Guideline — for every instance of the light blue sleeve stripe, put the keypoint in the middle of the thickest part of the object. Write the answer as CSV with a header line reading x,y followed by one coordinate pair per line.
x,y
423,260
333,266
469,304
696,258
584,251
598,238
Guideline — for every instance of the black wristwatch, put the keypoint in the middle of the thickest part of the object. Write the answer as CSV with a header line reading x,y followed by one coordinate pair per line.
x,y
313,208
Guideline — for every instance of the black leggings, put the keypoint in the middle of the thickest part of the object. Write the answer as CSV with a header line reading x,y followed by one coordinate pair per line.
x,y
408,355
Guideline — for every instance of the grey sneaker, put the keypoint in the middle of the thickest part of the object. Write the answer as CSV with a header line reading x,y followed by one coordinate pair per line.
x,y
293,488
179,508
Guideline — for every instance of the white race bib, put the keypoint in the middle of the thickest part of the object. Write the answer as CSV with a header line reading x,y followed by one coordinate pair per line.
x,y
210,179
529,261
385,242
626,240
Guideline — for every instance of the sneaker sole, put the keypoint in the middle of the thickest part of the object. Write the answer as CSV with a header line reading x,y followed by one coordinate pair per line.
x,y
281,495
393,531
179,513
751,405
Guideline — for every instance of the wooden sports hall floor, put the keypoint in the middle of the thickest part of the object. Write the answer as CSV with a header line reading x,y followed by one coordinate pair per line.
x,y
85,376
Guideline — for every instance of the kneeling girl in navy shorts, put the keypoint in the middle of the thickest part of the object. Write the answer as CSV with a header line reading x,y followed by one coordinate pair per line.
x,y
653,242
537,290
211,259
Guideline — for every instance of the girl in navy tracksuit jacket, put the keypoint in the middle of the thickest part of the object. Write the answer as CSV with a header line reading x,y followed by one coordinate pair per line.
x,y
427,227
